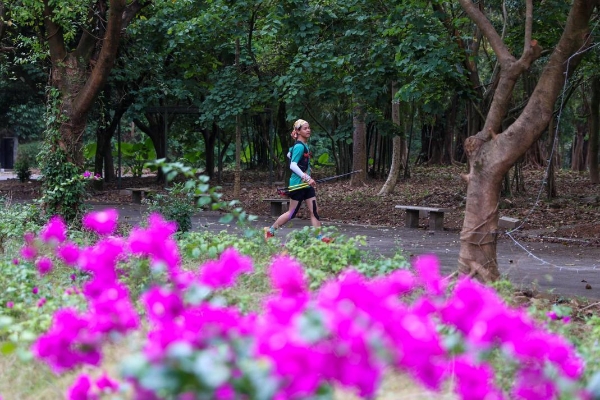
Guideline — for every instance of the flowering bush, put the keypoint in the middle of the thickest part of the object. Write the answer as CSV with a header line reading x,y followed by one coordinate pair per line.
x,y
349,331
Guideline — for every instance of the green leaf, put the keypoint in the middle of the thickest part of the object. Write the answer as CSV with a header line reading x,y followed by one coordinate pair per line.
x,y
7,348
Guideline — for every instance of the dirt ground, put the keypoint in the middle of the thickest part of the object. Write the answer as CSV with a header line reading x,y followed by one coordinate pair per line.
x,y
572,217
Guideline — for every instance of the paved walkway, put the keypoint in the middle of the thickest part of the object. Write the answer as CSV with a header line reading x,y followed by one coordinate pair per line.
x,y
556,268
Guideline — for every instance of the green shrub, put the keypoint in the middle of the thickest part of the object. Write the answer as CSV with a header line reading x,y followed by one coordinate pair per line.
x,y
23,170
177,205
29,151
324,260
17,219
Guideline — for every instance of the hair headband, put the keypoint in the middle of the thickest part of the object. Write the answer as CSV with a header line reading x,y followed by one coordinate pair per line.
x,y
298,124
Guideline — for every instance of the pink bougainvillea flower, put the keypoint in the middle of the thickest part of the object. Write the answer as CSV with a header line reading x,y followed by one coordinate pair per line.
x,y
223,272
428,272
102,222
41,302
225,392
68,343
29,238
68,252
55,231
532,384
87,174
156,242
106,384
81,389
10,304
468,300
28,252
287,276
475,382
112,311
44,265
396,283
163,304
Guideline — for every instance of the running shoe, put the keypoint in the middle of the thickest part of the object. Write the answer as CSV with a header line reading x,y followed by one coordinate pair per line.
x,y
324,239
268,233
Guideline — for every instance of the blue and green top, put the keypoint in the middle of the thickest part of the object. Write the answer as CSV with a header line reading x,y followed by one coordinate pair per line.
x,y
300,154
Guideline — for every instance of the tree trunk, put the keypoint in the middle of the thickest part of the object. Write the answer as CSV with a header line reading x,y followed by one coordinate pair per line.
x,y
359,147
491,153
578,153
398,149
594,127
103,162
210,140
77,82
551,191
77,76
156,131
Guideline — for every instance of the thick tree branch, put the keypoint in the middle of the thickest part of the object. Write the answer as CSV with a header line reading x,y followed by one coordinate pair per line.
x,y
106,58
88,41
54,35
143,127
488,31
528,25
563,62
132,10
2,18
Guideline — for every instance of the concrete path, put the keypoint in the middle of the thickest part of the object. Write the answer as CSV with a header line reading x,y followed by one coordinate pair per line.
x,y
551,267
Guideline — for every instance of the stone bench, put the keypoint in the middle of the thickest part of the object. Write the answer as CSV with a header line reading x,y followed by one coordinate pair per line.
x,y
277,206
508,223
138,193
436,216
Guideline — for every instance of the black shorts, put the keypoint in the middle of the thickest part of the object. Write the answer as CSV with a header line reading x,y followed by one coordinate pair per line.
x,y
303,194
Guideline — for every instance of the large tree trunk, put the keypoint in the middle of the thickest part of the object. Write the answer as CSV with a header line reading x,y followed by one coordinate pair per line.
x,y
77,76
77,81
594,131
237,173
359,147
491,152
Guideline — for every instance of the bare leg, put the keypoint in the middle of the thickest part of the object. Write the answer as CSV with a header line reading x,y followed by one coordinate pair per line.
x,y
286,216
311,205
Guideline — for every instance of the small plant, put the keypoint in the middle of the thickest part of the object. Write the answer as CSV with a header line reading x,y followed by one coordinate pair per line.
x,y
22,167
178,205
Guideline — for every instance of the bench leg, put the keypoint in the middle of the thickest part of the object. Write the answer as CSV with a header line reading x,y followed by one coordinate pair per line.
x,y
412,219
436,221
276,209
136,197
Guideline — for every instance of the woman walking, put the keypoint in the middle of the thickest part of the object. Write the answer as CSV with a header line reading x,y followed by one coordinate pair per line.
x,y
300,166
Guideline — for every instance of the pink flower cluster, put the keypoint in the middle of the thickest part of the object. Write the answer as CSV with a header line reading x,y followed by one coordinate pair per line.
x,y
91,176
350,331
76,337
84,388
